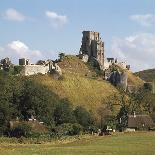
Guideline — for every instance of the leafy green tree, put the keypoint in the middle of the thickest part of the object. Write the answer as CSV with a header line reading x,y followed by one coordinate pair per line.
x,y
7,107
63,112
37,101
83,117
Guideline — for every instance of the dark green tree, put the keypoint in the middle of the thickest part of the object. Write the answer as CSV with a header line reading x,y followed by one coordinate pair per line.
x,y
63,112
83,117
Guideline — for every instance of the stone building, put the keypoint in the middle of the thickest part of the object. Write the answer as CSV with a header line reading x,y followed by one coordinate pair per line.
x,y
41,67
93,46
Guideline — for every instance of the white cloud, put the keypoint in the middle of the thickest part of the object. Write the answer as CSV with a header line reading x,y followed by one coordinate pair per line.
x,y
13,15
17,49
56,20
138,50
144,20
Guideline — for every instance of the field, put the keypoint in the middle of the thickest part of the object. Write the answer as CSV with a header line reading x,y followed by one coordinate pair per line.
x,y
123,144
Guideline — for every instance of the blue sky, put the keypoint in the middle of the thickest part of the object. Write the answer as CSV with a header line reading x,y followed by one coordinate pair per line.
x,y
41,29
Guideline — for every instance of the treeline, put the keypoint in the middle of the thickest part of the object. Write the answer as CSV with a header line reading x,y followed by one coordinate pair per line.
x,y
22,98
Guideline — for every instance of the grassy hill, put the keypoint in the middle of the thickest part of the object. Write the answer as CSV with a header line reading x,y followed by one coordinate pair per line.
x,y
147,75
134,80
81,85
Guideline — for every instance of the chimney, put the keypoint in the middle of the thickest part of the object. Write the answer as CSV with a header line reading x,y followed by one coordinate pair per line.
x,y
134,114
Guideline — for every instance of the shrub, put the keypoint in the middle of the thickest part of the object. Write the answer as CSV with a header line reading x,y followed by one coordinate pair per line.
x,y
63,113
22,130
17,69
68,129
83,117
77,129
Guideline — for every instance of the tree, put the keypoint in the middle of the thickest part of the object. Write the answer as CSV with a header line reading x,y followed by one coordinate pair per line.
x,y
7,107
83,117
5,116
61,56
63,112
39,101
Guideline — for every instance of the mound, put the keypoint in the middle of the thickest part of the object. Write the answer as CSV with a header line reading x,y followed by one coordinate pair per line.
x,y
80,84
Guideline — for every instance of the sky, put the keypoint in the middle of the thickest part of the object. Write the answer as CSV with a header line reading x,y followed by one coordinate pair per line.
x,y
41,29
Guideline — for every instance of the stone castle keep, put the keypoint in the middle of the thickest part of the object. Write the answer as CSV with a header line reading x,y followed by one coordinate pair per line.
x,y
93,47
92,50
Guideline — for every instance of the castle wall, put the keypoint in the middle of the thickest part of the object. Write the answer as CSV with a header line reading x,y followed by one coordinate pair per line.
x,y
34,69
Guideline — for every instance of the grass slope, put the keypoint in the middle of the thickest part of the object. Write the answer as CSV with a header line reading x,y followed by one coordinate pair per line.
x,y
134,80
124,144
147,75
81,85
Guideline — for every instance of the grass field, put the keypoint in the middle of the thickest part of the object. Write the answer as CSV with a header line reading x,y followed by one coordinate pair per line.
x,y
123,144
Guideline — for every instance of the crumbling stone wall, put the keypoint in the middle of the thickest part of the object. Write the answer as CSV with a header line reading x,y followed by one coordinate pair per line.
x,y
42,67
34,69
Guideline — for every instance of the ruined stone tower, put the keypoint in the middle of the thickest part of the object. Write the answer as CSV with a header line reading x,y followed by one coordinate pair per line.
x,y
93,46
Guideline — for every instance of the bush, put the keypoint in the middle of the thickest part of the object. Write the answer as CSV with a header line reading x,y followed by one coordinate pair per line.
x,y
68,129
17,69
83,117
22,130
77,129
63,113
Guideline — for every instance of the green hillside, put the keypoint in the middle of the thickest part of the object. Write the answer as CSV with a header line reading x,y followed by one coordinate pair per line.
x,y
56,101
147,75
81,85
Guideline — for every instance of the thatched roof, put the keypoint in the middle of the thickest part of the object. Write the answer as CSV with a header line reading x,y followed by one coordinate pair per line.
x,y
140,121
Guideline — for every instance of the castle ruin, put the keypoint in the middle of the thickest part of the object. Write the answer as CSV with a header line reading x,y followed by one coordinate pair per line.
x,y
92,47
41,67
92,50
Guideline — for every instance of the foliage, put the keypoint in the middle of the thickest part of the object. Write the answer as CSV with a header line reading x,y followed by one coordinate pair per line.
x,y
61,56
63,113
68,129
5,113
37,101
17,69
83,117
22,130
